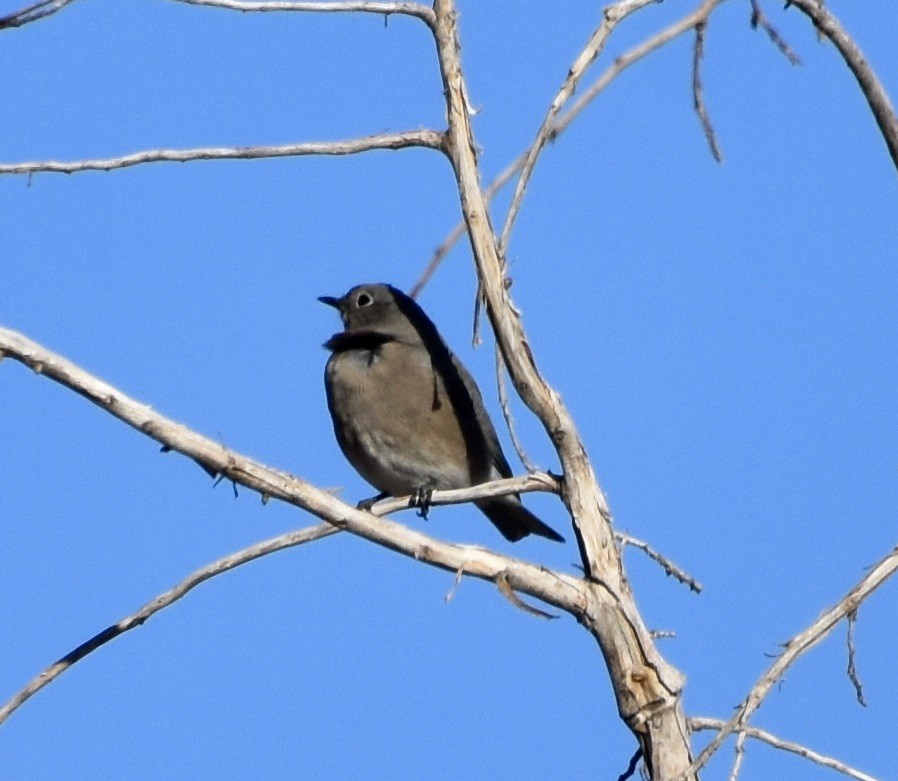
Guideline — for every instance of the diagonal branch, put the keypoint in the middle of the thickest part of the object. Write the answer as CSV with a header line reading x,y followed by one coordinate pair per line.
x,y
873,90
698,723
797,647
613,15
429,139
562,591
225,564
417,10
32,13
562,122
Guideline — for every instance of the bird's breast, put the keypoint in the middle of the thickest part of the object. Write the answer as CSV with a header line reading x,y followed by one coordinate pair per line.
x,y
393,421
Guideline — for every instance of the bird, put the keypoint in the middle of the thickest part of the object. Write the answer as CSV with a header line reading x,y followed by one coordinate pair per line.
x,y
407,414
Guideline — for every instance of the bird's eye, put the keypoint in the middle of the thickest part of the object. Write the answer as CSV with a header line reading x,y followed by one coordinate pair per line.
x,y
364,300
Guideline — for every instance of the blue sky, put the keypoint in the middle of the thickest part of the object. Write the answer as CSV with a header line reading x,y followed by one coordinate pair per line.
x,y
725,336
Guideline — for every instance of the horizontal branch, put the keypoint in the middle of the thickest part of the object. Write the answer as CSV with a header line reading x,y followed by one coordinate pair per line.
x,y
698,723
417,10
429,139
535,481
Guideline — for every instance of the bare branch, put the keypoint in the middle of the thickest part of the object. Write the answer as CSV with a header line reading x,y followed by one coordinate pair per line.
x,y
498,488
759,19
417,10
667,565
613,15
873,90
506,413
698,97
739,758
225,564
32,13
697,724
535,481
563,591
798,646
562,122
429,139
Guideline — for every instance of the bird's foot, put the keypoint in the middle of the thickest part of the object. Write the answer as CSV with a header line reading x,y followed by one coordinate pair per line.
x,y
421,500
367,504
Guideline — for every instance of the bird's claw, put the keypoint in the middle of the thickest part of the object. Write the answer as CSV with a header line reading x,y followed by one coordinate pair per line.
x,y
421,499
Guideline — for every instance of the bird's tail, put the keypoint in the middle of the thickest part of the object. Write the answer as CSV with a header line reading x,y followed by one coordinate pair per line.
x,y
514,520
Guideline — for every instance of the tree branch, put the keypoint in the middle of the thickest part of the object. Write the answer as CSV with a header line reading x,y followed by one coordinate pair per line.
x,y
698,723
560,590
646,687
429,139
613,15
32,13
532,482
795,648
230,562
562,122
873,90
417,10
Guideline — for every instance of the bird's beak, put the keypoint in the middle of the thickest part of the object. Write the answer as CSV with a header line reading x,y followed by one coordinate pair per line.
x,y
330,301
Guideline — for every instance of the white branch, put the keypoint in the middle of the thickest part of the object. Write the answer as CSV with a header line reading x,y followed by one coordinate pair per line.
x,y
697,723
414,138
417,10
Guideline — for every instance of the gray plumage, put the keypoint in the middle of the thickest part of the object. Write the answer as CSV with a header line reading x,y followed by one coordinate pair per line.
x,y
407,415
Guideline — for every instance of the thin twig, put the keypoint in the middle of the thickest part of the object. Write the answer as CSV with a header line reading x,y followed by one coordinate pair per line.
x,y
612,16
506,413
631,767
508,592
667,565
874,92
759,19
794,649
417,10
852,669
535,481
698,97
698,723
32,13
455,584
225,564
739,751
413,138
